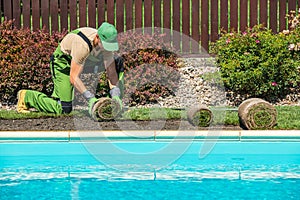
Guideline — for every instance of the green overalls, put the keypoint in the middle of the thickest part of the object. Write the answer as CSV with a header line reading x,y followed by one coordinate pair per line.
x,y
63,93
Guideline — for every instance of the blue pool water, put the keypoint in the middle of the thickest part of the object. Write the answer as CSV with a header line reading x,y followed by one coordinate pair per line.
x,y
142,170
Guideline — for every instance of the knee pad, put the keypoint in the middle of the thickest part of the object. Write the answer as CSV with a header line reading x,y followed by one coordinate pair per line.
x,y
66,107
119,64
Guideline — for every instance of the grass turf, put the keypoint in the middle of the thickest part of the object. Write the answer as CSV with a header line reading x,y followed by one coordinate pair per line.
x,y
288,116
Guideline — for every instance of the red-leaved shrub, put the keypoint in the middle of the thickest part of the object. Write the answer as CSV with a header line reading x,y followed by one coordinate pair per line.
x,y
149,62
150,67
24,60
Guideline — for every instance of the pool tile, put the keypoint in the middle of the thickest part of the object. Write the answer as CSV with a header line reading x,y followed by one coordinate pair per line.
x,y
271,135
34,136
111,135
197,135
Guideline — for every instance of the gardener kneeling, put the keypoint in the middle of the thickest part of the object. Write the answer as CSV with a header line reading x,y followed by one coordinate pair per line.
x,y
77,47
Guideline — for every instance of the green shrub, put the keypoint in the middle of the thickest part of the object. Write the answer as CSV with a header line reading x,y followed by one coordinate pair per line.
x,y
24,60
258,63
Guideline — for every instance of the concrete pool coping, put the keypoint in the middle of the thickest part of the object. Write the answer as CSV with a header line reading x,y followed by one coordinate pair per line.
x,y
151,135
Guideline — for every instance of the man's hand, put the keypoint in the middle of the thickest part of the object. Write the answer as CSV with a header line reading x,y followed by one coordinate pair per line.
x,y
115,95
91,104
115,92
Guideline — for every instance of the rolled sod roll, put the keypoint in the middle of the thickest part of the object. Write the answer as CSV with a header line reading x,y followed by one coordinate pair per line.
x,y
105,109
200,116
256,113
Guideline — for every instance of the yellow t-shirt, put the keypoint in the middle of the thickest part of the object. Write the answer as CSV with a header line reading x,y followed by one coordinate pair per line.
x,y
73,45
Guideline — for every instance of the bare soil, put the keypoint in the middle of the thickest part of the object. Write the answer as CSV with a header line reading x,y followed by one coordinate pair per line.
x,y
66,123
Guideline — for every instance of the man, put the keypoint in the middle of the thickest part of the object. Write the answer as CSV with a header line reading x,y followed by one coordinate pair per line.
x,y
75,50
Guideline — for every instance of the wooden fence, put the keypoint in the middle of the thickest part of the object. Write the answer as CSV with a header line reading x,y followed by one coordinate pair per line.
x,y
200,20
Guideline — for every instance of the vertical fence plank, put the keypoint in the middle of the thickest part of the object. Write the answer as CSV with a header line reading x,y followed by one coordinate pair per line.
x,y
1,14
292,5
224,15
263,14
204,24
234,15
1,10
120,15
176,15
243,14
129,14
73,14
186,26
138,13
92,13
82,13
92,10
101,11
167,20
273,15
7,7
214,20
54,15
26,14
167,14
195,26
45,14
147,13
16,13
110,12
35,14
64,15
253,12
176,24
282,15
157,13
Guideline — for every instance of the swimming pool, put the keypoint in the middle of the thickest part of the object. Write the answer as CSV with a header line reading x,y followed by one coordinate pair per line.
x,y
147,168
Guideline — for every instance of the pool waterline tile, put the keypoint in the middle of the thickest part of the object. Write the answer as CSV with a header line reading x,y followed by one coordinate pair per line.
x,y
151,135
271,135
111,135
197,135
12,136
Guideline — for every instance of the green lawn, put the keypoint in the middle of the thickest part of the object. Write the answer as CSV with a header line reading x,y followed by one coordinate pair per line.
x,y
288,116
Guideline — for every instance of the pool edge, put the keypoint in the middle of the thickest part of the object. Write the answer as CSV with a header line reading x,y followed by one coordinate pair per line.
x,y
151,135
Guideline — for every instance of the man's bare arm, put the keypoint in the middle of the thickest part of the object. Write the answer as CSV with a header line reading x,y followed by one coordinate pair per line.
x,y
75,77
111,72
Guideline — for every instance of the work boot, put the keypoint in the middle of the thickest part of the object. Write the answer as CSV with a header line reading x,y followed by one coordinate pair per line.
x,y
21,106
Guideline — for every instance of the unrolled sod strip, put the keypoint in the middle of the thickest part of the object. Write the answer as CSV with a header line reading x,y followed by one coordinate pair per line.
x,y
256,113
200,116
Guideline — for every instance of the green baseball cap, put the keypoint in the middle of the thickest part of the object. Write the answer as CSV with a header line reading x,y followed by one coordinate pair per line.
x,y
108,35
